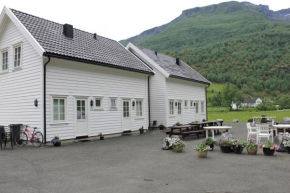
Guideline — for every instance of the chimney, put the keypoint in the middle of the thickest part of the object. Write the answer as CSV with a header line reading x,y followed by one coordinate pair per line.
x,y
156,53
95,36
68,30
177,61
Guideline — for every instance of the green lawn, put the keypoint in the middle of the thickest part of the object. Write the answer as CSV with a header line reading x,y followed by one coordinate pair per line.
x,y
214,89
243,116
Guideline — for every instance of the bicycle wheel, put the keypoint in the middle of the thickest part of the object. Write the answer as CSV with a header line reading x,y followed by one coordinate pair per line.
x,y
37,139
21,139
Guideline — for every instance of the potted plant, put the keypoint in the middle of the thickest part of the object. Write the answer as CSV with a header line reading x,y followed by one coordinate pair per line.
x,y
252,147
178,124
141,130
101,136
210,142
178,146
202,150
56,141
225,145
286,144
168,142
238,146
268,148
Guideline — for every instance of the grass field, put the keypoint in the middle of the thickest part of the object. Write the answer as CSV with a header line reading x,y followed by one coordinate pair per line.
x,y
214,89
243,116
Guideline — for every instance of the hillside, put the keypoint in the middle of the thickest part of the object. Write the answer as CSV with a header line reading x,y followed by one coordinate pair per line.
x,y
229,42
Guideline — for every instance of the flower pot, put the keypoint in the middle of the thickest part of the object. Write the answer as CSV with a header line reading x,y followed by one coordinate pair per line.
x,y
102,138
141,131
287,149
178,149
226,149
56,143
238,150
211,146
252,151
268,151
202,154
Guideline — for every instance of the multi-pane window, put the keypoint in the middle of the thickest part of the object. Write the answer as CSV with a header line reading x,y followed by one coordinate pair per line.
x,y
4,60
113,103
171,107
202,106
179,108
196,106
98,103
17,56
58,109
191,103
81,109
126,110
139,112
185,103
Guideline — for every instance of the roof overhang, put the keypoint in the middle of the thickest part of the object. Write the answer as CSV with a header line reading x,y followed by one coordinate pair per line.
x,y
188,79
7,12
54,55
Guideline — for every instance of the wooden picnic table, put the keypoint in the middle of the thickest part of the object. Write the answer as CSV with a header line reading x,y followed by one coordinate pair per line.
x,y
185,130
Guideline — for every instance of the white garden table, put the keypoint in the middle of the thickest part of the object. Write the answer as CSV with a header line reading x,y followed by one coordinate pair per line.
x,y
282,126
217,128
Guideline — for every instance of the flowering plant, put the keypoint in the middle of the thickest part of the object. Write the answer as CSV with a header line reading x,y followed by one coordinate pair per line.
x,y
208,141
286,143
225,143
236,142
268,144
252,144
202,147
168,142
178,144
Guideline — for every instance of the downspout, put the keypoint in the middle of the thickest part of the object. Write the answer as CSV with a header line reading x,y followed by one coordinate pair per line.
x,y
44,99
149,100
206,100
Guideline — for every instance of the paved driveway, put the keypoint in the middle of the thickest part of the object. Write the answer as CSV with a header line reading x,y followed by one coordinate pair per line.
x,y
135,164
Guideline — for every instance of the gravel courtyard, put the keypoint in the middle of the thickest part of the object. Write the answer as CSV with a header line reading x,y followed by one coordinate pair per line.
x,y
136,163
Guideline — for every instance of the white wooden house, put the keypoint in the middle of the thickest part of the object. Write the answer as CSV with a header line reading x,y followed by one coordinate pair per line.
x,y
248,103
68,82
177,92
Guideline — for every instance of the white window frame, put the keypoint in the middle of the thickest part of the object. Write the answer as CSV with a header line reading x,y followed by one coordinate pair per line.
x,y
136,111
179,101
185,104
7,60
171,113
196,106
18,45
101,107
202,107
65,109
191,104
116,102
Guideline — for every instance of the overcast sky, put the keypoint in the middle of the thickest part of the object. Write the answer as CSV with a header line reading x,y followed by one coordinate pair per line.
x,y
117,19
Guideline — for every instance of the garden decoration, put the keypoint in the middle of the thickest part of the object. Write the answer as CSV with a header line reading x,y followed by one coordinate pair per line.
x,y
168,141
286,144
178,124
252,147
178,146
56,141
225,145
210,142
101,136
239,145
141,130
268,148
202,150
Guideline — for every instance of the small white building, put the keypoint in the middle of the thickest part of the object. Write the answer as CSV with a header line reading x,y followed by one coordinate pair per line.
x,y
177,92
248,103
68,82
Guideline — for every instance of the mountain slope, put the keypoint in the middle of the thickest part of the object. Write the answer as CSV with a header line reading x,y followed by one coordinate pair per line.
x,y
229,42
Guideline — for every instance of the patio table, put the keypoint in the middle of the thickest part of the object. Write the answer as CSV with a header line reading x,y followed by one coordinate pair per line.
x,y
284,127
218,128
185,130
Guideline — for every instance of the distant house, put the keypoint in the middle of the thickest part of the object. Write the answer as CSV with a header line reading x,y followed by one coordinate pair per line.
x,y
177,93
248,102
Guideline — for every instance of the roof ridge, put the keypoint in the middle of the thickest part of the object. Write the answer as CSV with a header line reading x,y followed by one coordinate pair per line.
x,y
59,23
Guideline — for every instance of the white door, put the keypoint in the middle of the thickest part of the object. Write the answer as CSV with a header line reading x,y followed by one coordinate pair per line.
x,y
126,115
81,117
197,111
179,112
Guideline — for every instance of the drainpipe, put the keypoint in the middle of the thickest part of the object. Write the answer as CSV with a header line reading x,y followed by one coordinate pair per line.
x,y
149,100
206,100
44,99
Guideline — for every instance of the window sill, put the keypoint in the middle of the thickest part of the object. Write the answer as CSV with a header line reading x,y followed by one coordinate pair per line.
x,y
139,118
113,109
15,69
4,72
98,109
59,123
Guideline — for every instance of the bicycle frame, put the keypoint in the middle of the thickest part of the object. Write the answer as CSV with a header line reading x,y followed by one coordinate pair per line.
x,y
30,135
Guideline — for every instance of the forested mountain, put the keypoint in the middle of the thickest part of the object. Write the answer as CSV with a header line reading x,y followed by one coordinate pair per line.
x,y
241,43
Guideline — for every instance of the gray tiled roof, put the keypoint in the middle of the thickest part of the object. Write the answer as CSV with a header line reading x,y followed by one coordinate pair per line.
x,y
168,63
83,46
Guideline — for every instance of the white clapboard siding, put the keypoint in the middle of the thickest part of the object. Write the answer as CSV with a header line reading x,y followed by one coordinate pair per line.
x,y
70,79
185,90
19,89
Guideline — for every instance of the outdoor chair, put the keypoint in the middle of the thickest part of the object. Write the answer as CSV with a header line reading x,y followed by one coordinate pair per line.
x,y
153,125
251,131
263,131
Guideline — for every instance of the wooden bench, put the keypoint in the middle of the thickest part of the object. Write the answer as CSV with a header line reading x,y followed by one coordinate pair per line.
x,y
185,130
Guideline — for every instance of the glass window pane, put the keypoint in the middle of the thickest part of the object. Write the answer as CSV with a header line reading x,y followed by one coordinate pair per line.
x,y
83,103
61,116
55,116
98,102
78,103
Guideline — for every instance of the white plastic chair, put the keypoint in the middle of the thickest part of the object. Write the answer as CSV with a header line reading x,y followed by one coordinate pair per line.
x,y
251,131
263,131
